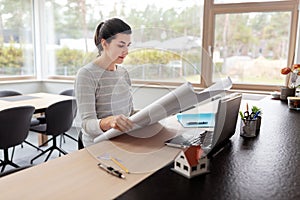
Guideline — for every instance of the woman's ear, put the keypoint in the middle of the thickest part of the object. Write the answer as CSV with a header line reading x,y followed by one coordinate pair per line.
x,y
103,43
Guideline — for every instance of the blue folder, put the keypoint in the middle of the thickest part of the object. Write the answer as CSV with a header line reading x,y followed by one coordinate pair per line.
x,y
200,120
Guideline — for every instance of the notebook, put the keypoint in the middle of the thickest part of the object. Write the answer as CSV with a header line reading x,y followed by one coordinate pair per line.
x,y
225,125
199,120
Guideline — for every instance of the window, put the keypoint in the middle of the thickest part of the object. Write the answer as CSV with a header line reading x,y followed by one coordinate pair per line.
x,y
202,166
16,41
252,47
167,40
240,1
251,42
174,41
194,168
69,35
186,168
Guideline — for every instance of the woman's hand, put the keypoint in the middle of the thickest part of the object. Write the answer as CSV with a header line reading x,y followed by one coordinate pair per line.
x,y
119,122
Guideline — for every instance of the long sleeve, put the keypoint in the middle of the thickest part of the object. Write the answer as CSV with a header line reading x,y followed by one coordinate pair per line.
x,y
101,93
85,88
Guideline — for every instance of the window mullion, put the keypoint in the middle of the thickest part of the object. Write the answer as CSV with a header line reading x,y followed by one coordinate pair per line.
x,y
39,38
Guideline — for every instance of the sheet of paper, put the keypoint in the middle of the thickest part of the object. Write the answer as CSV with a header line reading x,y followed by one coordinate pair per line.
x,y
175,101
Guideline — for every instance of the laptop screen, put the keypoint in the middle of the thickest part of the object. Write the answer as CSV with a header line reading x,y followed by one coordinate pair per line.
x,y
226,119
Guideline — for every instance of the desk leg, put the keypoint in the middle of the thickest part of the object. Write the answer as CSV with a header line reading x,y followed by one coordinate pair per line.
x,y
42,139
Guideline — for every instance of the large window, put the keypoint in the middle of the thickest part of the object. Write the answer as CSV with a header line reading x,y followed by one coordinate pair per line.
x,y
173,41
166,39
16,39
251,42
252,47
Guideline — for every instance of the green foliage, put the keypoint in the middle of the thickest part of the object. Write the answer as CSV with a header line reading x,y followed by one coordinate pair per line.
x,y
11,56
255,109
70,60
152,56
69,57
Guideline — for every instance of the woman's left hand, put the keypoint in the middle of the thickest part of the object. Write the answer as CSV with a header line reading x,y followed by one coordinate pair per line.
x,y
119,122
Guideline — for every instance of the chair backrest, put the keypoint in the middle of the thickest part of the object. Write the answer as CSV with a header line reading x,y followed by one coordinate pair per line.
x,y
69,92
14,126
60,116
7,93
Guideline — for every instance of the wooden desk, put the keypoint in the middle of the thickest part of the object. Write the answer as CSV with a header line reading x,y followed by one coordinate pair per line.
x,y
39,100
265,167
77,176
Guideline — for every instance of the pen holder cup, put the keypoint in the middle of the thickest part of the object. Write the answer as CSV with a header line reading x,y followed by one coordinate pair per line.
x,y
250,127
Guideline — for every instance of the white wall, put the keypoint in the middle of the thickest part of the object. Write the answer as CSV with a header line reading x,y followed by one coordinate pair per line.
x,y
23,87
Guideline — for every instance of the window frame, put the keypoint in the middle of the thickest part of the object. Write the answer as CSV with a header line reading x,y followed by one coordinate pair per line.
x,y
26,77
210,12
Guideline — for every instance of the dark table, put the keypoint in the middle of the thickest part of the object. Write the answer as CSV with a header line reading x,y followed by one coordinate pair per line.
x,y
264,167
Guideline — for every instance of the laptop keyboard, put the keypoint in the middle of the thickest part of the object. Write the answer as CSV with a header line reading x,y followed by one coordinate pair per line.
x,y
198,140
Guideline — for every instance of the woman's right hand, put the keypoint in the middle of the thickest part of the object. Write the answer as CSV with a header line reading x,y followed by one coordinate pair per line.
x,y
119,122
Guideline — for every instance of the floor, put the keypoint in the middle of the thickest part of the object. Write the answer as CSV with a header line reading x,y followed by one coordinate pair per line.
x,y
23,155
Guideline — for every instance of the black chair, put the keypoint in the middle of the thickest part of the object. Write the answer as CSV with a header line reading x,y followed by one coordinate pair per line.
x,y
59,119
34,121
42,119
7,93
80,143
68,92
14,129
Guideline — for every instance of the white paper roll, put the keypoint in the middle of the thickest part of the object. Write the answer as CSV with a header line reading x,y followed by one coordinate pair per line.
x,y
175,101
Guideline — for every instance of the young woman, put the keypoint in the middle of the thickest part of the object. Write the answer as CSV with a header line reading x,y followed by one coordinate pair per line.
x,y
102,87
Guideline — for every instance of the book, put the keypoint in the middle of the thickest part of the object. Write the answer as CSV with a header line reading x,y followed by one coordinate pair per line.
x,y
199,120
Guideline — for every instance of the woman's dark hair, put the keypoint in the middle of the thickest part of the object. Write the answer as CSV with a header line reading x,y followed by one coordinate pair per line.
x,y
108,29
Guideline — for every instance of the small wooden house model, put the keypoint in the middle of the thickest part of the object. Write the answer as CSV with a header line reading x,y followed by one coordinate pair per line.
x,y
191,162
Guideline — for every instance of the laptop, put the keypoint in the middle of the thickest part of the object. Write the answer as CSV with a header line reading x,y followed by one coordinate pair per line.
x,y
225,125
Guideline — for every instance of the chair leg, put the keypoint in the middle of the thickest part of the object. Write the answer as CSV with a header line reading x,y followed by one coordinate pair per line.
x,y
12,153
69,136
60,140
51,149
6,161
63,137
54,146
49,154
39,149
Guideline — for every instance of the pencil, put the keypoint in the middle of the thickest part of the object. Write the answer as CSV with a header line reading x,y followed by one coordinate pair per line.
x,y
120,165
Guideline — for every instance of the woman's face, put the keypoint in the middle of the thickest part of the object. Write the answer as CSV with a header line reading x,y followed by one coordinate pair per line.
x,y
117,49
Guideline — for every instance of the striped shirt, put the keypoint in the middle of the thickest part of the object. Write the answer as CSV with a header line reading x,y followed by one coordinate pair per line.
x,y
101,93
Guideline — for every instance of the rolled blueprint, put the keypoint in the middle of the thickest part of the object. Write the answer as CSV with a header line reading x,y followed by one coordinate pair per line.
x,y
175,101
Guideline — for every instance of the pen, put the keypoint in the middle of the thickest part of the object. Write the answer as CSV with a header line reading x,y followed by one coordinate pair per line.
x,y
256,114
195,123
120,165
111,170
